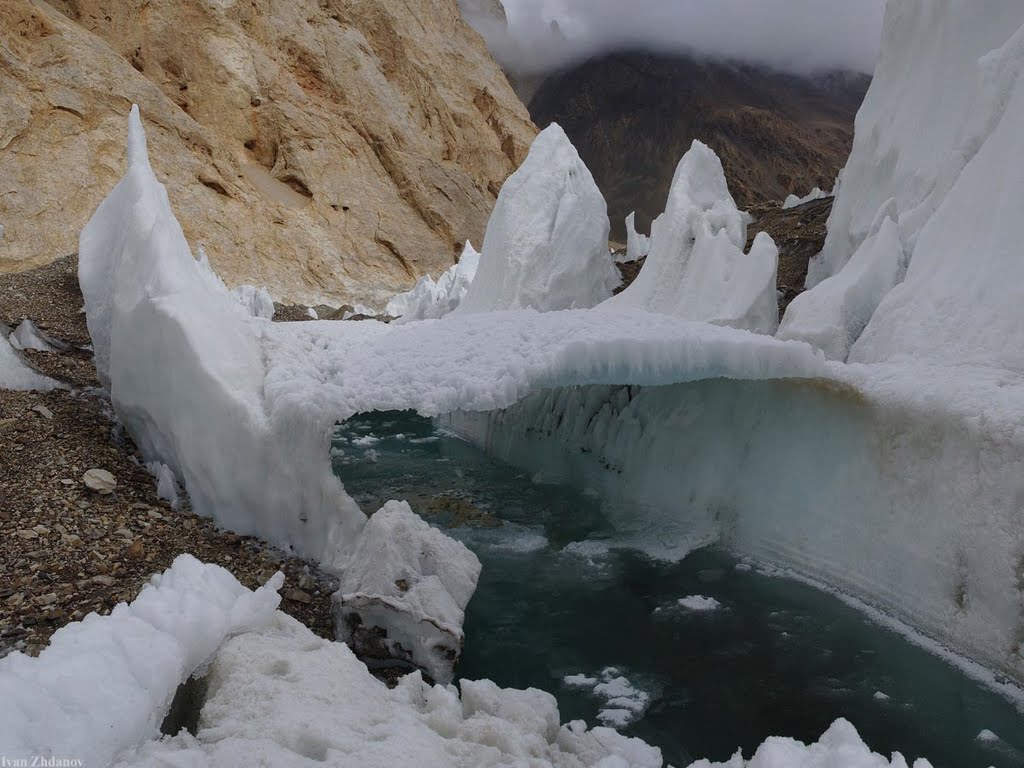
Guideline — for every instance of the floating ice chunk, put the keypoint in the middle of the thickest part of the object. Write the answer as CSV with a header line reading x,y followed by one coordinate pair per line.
x,y
696,268
404,592
987,735
637,245
428,300
840,746
792,201
698,603
105,683
15,374
623,703
880,696
832,315
28,336
256,301
546,246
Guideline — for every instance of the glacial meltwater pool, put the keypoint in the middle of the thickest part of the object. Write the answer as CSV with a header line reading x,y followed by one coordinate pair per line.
x,y
746,655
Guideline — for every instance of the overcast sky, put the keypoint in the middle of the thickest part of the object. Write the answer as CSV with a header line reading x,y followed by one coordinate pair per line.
x,y
792,35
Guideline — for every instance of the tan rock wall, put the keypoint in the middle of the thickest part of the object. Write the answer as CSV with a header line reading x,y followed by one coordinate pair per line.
x,y
332,150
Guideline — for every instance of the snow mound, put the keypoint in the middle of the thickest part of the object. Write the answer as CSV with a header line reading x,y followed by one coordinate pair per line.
x,y
698,603
295,700
105,683
15,374
637,245
696,268
793,201
430,300
412,582
256,301
833,315
546,245
840,746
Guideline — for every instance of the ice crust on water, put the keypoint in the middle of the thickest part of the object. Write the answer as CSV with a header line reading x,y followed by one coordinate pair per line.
x,y
623,702
546,245
414,581
696,268
429,300
104,684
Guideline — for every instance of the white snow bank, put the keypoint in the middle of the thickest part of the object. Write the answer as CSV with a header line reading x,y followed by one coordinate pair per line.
x,y
833,315
411,582
105,683
546,245
840,746
696,268
15,374
256,301
637,245
430,300
793,201
28,336
294,699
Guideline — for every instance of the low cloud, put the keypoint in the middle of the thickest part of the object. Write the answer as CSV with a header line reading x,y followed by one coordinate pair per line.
x,y
801,36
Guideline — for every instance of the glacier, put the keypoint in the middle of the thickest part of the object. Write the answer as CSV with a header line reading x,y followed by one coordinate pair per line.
x,y
15,373
894,477
429,300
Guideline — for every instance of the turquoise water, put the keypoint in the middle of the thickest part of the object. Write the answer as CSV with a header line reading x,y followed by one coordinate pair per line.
x,y
558,599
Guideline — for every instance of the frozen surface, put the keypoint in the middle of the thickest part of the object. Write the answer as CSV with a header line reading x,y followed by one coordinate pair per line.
x,y
429,300
15,374
698,603
792,201
839,747
696,268
546,245
105,683
411,581
637,245
622,701
834,314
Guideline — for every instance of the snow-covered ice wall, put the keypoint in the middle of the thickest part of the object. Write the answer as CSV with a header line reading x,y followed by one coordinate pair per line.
x,y
186,373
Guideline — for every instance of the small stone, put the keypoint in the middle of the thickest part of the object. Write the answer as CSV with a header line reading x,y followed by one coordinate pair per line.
x,y
297,596
16,599
43,411
66,481
100,481
103,581
307,581
27,534
124,533
47,599
42,530
135,549
155,515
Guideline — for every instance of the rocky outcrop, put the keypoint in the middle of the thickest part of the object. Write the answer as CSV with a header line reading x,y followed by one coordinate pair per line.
x,y
333,150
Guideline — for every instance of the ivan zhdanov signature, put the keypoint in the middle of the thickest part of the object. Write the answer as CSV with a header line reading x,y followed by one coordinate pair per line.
x,y
40,761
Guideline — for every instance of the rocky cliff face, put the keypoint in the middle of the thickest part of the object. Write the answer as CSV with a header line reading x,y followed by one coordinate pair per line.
x,y
632,116
332,150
